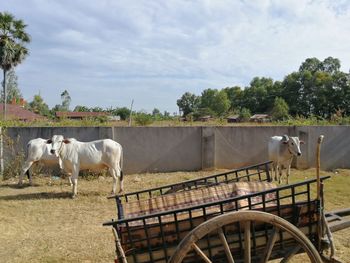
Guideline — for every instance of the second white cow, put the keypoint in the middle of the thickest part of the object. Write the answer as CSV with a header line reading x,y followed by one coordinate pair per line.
x,y
95,155
281,150
37,151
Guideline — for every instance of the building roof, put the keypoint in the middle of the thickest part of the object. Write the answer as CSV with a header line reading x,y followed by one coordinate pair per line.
x,y
233,117
260,116
78,114
17,112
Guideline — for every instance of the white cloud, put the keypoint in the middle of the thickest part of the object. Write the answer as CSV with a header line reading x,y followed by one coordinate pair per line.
x,y
154,51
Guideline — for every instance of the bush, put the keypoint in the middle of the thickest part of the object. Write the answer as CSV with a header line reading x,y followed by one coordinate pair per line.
x,y
14,157
143,119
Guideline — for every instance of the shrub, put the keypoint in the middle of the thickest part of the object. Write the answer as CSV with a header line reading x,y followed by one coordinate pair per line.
x,y
143,119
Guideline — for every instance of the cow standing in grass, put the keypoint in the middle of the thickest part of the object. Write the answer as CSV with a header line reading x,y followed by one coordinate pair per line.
x,y
95,155
37,151
281,150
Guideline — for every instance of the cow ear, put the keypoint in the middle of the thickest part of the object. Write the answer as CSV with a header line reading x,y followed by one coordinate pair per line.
x,y
66,141
302,142
285,139
49,141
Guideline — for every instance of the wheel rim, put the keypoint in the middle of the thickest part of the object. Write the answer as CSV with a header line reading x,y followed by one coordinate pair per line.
x,y
245,218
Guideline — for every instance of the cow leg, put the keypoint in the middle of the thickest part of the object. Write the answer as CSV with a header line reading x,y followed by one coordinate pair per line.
x,y
25,168
74,180
113,174
288,171
117,175
280,174
70,180
277,173
74,187
29,175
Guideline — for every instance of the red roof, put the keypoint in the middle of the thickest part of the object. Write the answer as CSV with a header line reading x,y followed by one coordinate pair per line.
x,y
78,114
17,112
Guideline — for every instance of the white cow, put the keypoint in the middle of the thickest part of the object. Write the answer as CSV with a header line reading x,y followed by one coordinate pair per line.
x,y
95,155
37,151
282,149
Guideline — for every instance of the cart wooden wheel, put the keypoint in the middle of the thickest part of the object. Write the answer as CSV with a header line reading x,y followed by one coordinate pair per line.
x,y
245,218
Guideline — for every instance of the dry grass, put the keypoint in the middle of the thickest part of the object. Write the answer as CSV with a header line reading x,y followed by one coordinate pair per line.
x,y
43,224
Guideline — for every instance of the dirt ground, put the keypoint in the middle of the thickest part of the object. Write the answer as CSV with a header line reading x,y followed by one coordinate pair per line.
x,y
41,223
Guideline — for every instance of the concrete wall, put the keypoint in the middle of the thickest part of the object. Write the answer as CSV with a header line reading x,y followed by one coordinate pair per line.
x,y
160,149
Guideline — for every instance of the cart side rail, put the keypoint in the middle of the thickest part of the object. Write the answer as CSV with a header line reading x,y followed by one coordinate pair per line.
x,y
258,172
153,237
279,197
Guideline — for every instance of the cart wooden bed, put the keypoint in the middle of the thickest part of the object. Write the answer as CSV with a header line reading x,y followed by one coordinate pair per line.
x,y
236,216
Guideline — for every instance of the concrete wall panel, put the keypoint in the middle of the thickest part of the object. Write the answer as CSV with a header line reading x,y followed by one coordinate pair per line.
x,y
164,149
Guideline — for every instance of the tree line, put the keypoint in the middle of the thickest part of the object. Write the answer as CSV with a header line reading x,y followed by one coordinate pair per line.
x,y
318,88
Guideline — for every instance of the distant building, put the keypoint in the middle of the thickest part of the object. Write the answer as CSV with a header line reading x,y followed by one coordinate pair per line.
x,y
233,119
260,118
76,115
205,118
17,112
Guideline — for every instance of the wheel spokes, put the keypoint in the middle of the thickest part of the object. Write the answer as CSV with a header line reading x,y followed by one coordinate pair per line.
x,y
270,244
291,253
247,243
201,253
226,246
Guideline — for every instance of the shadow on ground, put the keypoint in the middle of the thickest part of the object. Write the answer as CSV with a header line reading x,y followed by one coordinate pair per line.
x,y
37,196
16,186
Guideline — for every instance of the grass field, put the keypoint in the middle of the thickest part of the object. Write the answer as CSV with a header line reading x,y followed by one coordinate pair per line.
x,y
41,223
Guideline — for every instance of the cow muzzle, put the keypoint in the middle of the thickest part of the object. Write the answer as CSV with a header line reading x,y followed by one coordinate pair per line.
x,y
53,151
299,154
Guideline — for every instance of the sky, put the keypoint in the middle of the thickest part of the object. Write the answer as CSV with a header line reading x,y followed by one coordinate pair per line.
x,y
107,53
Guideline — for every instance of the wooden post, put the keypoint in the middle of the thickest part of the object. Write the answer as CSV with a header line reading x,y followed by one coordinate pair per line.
x,y
318,165
119,248
318,198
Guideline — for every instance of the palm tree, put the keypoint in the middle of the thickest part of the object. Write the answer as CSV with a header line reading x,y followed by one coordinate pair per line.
x,y
12,46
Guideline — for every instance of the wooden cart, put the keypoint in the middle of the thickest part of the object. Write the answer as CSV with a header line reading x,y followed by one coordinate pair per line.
x,y
236,216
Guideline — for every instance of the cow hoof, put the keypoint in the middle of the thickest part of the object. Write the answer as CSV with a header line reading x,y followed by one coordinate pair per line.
x,y
74,196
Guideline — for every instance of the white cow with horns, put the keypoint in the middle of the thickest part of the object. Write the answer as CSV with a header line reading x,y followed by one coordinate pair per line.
x,y
281,150
95,155
37,151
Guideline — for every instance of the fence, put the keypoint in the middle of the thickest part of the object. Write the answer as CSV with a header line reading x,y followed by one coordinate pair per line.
x,y
166,149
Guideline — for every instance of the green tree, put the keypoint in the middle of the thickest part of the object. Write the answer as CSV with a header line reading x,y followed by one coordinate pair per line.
x,y
235,96
319,88
221,103
13,39
123,112
258,97
37,105
143,118
13,91
280,109
311,64
216,101
244,114
80,108
66,99
188,103
64,106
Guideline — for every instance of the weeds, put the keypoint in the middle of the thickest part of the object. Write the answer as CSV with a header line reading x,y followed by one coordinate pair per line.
x,y
14,157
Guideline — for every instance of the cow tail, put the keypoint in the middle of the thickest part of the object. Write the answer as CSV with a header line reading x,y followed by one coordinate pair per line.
x,y
121,163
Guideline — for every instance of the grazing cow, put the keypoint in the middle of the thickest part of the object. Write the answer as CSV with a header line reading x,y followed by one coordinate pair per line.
x,y
95,155
281,151
37,151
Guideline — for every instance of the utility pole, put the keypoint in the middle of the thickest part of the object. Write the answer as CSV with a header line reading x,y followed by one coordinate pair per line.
x,y
1,154
130,116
